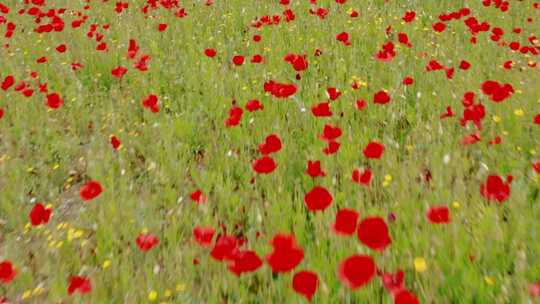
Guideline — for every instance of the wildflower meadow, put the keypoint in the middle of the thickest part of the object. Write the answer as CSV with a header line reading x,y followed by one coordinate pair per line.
x,y
270,151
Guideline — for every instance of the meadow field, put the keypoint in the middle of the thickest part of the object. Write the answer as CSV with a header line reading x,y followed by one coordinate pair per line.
x,y
269,151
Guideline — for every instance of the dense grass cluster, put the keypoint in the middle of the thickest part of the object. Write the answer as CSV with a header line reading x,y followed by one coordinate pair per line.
x,y
166,151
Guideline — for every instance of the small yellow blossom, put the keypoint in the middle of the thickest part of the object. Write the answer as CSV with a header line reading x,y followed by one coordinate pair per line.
x,y
420,264
152,296
26,294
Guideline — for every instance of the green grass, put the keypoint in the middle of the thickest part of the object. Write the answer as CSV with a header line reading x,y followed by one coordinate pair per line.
x,y
47,155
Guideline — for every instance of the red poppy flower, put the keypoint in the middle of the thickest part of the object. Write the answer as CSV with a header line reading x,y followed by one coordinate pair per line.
x,y
235,116
362,177
224,247
305,283
404,39
90,190
489,87
162,27
198,197
321,110
39,214
151,102
537,119
238,60
373,232
471,139
286,254
356,271
314,169
405,297
507,65
210,52
438,215
119,72
257,58
497,92
409,16
61,48
264,165
450,73
332,147
387,52
333,93
204,235
434,65
254,105
464,65
408,80
115,142
495,189
318,199
468,99
361,104
497,140
374,150
346,220
142,63
146,242
330,133
298,62
132,49
280,90
181,12
8,82
343,37
79,284
271,144
7,272
534,289
54,101
244,261
474,113
393,282
536,166
439,27
381,97
28,92
102,46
